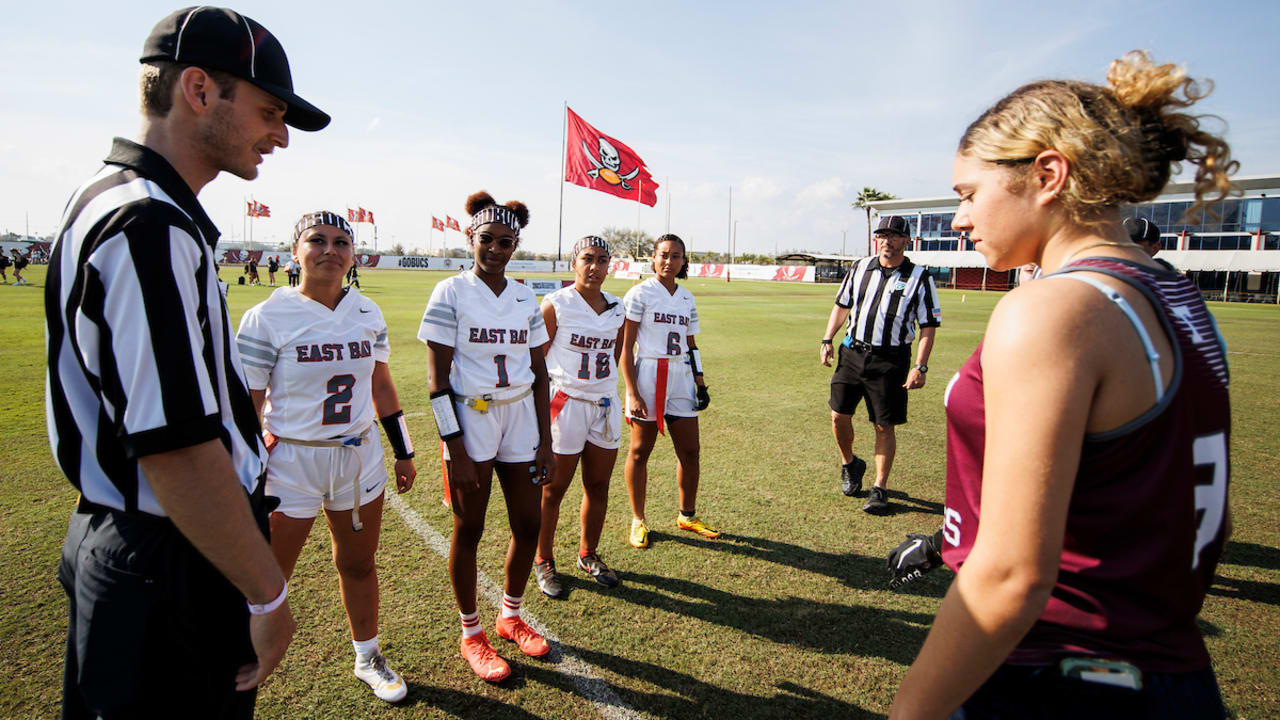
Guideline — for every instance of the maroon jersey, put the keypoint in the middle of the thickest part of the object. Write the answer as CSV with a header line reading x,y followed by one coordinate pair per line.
x,y
1145,525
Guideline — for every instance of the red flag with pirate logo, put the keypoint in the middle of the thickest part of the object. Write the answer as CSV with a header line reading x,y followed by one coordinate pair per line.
x,y
596,161
263,210
351,216
453,224
436,224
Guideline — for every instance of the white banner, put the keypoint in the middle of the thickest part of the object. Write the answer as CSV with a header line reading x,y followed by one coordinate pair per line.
x,y
417,262
780,273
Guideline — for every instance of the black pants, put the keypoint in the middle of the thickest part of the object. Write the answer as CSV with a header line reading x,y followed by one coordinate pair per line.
x,y
154,630
1016,692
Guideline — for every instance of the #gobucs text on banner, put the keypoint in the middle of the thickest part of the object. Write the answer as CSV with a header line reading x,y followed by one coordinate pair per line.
x,y
595,160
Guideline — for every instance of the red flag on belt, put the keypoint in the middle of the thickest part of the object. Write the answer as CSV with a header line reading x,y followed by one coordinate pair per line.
x,y
453,224
436,224
595,160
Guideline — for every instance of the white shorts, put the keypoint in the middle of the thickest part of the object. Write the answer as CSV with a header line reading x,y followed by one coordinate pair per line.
x,y
506,433
681,396
307,478
582,421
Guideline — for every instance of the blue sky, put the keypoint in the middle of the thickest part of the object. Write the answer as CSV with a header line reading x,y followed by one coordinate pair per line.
x,y
795,105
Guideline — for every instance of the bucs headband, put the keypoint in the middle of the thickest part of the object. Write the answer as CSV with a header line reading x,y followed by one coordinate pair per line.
x,y
321,217
498,214
590,241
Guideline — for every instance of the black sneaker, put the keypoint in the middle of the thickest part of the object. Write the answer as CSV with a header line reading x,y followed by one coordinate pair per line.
x,y
592,565
548,581
851,476
877,501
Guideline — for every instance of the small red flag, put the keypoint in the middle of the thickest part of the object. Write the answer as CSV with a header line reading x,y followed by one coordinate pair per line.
x,y
351,216
263,210
371,221
453,224
436,224
250,209
362,215
596,161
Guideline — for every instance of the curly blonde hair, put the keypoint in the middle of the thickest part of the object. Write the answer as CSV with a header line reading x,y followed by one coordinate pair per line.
x,y
1121,140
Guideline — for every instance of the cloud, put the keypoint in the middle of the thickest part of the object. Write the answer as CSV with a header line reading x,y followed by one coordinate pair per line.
x,y
373,125
758,189
822,193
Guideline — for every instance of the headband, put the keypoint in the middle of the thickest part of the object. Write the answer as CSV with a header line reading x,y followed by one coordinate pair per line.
x,y
498,214
321,217
591,241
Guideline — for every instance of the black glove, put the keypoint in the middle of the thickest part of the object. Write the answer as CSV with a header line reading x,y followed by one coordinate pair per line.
x,y
913,558
704,399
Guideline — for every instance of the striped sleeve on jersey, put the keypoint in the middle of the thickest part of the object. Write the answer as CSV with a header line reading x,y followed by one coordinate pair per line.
x,y
844,296
382,346
633,303
693,316
440,319
149,349
537,327
258,355
928,310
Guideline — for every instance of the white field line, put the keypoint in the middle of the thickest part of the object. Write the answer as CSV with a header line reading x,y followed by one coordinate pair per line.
x,y
585,679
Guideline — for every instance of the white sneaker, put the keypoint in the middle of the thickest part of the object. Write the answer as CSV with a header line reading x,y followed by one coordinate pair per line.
x,y
386,684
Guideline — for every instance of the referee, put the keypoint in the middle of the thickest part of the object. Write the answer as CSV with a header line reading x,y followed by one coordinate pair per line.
x,y
148,413
883,297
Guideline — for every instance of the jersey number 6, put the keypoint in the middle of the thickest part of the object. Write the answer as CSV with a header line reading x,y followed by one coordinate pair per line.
x,y
336,409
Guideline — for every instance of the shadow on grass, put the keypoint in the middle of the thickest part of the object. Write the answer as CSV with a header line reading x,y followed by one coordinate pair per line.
x,y
1251,554
855,571
685,696
799,622
460,703
1252,590
901,503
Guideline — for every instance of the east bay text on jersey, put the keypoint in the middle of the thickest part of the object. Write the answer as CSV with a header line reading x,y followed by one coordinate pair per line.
x,y
332,352
671,319
515,336
588,342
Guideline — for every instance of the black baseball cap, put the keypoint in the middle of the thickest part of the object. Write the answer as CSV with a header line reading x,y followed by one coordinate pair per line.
x,y
221,39
1142,230
894,225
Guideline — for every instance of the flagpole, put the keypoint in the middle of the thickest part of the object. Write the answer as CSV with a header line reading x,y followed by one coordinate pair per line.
x,y
730,228
244,229
668,180
564,133
639,204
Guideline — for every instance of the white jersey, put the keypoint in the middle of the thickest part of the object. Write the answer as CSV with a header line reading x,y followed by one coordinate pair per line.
x,y
490,335
580,360
666,319
316,364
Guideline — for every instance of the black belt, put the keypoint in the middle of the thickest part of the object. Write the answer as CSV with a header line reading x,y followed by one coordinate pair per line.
x,y
257,501
859,346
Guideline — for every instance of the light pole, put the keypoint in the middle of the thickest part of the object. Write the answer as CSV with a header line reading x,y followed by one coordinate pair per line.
x,y
733,244
843,237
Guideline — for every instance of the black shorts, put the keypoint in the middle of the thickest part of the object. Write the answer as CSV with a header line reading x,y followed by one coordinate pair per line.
x,y
154,630
876,375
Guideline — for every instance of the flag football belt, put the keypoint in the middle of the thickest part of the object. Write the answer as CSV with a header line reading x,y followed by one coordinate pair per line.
x,y
561,397
352,442
482,403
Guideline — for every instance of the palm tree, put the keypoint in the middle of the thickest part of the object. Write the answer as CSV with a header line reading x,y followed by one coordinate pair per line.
x,y
866,198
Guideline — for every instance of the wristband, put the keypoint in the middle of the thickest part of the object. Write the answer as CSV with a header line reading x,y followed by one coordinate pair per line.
x,y
446,417
273,605
695,361
398,435
826,342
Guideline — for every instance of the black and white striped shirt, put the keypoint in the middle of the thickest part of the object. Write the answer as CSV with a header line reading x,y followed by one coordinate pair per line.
x,y
142,356
886,307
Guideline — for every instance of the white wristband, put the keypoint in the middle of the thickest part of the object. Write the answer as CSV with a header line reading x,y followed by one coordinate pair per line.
x,y
273,605
695,361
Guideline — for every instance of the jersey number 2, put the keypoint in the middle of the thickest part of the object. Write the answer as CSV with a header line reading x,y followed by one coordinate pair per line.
x,y
336,408
602,366
1211,499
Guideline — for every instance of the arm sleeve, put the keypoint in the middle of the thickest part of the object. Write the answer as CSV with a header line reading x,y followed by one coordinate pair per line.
x,y
928,311
440,319
633,304
258,351
156,326
844,296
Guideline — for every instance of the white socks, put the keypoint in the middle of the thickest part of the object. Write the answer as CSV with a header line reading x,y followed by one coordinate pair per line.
x,y
365,649
511,605
470,624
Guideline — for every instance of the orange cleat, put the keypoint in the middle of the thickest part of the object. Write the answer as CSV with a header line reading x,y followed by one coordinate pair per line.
x,y
526,638
477,651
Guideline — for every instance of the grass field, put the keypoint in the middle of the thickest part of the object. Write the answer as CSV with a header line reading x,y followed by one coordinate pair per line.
x,y
786,616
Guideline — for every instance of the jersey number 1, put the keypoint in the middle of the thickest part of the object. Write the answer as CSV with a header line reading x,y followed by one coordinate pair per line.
x,y
337,411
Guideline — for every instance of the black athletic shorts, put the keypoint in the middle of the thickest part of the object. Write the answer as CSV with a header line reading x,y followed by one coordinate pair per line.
x,y
878,376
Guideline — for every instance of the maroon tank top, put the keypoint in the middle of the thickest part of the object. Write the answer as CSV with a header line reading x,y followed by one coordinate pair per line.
x,y
1145,525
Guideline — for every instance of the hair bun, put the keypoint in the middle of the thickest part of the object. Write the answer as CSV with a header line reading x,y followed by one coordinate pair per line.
x,y
518,209
478,201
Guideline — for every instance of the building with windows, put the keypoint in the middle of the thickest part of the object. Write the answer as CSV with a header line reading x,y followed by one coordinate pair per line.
x,y
1232,251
